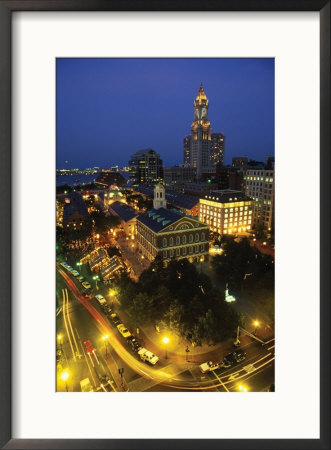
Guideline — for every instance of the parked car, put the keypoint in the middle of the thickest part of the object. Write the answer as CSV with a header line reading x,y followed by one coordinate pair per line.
x,y
100,299
229,360
234,357
86,285
124,331
134,344
81,278
114,317
240,355
210,366
107,309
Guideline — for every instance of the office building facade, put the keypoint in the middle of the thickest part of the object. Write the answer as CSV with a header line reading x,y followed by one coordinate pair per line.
x,y
227,212
146,167
217,149
260,186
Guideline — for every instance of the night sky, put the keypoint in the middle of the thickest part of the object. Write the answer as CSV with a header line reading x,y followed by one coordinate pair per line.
x,y
107,109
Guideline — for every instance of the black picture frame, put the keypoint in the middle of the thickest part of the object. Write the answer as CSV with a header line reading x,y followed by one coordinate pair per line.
x,y
7,7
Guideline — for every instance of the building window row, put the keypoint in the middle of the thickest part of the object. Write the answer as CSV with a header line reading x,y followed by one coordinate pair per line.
x,y
183,240
183,252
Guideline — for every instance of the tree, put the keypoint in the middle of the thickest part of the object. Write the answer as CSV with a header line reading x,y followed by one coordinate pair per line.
x,y
103,223
260,231
140,309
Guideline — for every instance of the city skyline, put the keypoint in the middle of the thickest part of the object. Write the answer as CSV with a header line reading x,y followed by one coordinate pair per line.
x,y
108,109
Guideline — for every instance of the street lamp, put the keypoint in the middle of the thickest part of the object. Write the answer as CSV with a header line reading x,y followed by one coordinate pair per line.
x,y
59,338
79,264
165,341
96,278
242,388
256,324
104,338
64,377
112,293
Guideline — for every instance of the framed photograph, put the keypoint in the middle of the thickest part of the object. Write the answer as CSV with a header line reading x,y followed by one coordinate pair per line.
x,y
164,244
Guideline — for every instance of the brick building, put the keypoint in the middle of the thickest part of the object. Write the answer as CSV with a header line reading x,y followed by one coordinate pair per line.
x,y
170,234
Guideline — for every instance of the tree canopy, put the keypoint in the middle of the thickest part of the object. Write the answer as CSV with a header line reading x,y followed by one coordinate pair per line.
x,y
181,299
246,269
103,222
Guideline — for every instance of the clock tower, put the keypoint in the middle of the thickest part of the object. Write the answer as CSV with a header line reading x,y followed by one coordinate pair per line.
x,y
201,133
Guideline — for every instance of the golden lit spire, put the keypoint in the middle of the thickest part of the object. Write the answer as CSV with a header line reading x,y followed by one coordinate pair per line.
x,y
201,98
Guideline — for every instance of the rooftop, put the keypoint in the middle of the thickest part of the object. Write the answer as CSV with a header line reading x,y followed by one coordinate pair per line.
x,y
124,211
226,196
157,219
76,206
180,200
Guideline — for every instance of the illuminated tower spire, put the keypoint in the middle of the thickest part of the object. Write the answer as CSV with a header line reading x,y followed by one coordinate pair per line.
x,y
201,133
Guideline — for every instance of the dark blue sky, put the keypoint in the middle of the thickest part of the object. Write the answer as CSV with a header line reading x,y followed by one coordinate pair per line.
x,y
107,109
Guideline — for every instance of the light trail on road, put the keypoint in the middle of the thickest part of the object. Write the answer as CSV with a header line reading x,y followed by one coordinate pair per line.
x,y
65,323
157,376
69,321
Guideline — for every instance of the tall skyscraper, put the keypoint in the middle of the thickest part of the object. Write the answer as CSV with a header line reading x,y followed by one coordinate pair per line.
x,y
187,149
146,167
201,134
260,186
217,148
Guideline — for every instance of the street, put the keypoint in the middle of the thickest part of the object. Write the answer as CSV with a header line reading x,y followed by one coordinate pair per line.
x,y
113,366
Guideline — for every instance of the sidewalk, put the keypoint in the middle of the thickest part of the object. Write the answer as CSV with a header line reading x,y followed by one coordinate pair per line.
x,y
176,347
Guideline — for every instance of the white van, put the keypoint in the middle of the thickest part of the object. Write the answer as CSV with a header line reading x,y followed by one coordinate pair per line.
x,y
146,355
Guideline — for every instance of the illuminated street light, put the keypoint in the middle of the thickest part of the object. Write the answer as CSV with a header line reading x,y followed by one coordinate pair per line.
x,y
60,338
96,278
242,388
64,377
256,324
104,338
165,340
79,264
